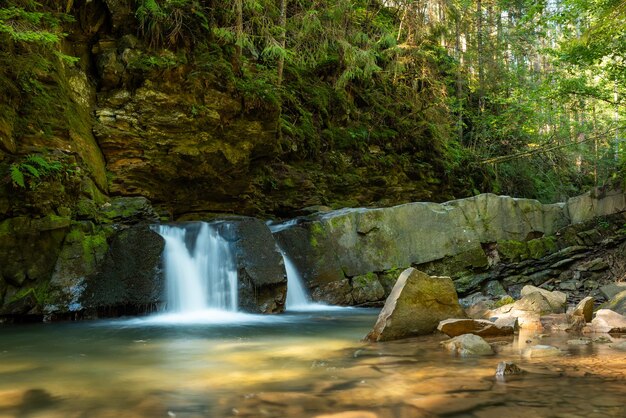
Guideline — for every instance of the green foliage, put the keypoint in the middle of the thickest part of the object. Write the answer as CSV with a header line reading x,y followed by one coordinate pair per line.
x,y
172,22
35,168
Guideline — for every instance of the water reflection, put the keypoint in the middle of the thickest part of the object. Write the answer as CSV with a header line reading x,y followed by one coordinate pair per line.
x,y
296,365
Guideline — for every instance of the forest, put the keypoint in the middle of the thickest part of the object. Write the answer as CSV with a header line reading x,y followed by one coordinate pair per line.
x,y
512,97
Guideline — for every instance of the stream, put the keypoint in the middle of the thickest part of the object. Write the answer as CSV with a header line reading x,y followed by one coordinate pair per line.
x,y
300,364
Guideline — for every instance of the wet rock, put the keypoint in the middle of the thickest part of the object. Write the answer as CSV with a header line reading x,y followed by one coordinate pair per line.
x,y
617,303
129,211
607,321
620,346
507,368
130,280
416,305
579,341
468,345
334,293
557,300
584,308
541,351
260,266
480,327
349,414
562,322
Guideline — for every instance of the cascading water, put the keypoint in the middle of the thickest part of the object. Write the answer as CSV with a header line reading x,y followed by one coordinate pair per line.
x,y
297,295
199,269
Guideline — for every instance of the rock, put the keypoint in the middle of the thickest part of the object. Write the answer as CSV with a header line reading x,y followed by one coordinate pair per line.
x,y
607,321
494,288
129,211
504,321
617,303
334,293
130,280
349,414
372,240
367,288
507,368
584,308
597,202
260,266
557,300
480,327
562,322
619,346
541,351
468,345
613,289
416,305
579,341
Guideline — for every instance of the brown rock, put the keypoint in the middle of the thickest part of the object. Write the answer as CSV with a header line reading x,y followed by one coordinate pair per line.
x,y
585,308
607,321
557,300
481,327
562,322
416,305
507,368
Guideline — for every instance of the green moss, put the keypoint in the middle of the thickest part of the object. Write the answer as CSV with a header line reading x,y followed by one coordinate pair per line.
x,y
513,250
536,248
505,300
316,230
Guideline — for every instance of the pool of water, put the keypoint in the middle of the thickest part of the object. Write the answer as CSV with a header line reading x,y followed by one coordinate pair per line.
x,y
304,364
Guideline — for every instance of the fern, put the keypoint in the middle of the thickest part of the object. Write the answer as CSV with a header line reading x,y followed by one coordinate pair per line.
x,y
17,177
31,170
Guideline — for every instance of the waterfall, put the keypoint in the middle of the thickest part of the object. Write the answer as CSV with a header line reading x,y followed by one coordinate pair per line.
x,y
199,269
297,297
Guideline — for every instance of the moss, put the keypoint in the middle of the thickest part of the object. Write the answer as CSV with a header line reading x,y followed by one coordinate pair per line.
x,y
513,250
536,248
505,300
316,230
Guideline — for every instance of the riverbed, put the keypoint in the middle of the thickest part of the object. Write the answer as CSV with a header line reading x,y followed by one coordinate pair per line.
x,y
293,365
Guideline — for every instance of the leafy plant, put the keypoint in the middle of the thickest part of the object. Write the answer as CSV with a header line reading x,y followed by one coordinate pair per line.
x,y
35,168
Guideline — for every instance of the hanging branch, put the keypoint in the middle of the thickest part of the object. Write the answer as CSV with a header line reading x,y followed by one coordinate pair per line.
x,y
545,148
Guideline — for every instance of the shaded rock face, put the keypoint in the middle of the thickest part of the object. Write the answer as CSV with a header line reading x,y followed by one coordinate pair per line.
x,y
584,308
416,305
130,280
260,266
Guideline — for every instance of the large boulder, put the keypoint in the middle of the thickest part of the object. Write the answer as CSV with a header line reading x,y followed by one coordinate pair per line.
x,y
597,202
416,305
130,280
260,265
480,327
468,345
607,321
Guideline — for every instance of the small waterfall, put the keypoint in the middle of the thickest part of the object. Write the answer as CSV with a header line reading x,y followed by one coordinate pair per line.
x,y
297,297
199,269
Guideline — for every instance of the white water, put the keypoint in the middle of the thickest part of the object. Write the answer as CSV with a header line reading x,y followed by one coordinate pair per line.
x,y
199,271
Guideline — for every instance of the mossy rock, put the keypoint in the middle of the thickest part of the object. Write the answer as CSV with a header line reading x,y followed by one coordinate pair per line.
x,y
367,288
128,210
510,250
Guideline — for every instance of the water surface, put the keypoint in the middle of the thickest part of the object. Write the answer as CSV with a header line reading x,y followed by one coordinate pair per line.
x,y
295,365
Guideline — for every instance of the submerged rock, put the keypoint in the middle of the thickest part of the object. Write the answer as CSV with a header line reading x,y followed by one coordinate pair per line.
x,y
416,305
540,351
480,327
507,368
468,345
